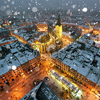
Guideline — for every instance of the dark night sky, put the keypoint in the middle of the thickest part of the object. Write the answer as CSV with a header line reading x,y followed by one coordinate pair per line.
x,y
27,5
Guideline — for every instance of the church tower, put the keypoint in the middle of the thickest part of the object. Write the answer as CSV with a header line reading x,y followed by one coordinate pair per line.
x,y
59,28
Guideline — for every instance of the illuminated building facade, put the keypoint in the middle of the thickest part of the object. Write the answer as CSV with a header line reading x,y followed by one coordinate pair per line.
x,y
59,28
16,59
19,38
42,27
50,38
81,62
41,42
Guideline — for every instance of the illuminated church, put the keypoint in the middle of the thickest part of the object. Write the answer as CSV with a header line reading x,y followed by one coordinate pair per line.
x,y
51,40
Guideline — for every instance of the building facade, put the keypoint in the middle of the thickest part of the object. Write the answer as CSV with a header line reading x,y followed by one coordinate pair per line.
x,y
16,61
80,61
50,38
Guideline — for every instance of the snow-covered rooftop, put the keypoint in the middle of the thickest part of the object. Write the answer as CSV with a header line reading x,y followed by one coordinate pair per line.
x,y
19,54
75,64
4,40
3,67
29,55
66,61
93,77
98,82
83,60
12,60
84,69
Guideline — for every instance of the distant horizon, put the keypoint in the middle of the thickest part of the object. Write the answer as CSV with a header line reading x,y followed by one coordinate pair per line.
x,y
55,12
13,6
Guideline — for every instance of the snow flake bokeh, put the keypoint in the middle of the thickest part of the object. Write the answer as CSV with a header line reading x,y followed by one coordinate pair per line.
x,y
13,67
12,2
15,31
34,9
9,67
84,9
7,91
11,7
8,12
3,8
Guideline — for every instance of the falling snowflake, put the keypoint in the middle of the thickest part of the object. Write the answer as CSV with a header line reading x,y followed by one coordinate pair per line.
x,y
78,9
68,12
9,98
18,12
39,4
66,3
12,2
7,91
33,94
84,9
15,7
8,47
36,2
28,7
29,4
15,13
91,10
34,9
7,6
15,31
9,21
35,17
23,12
95,4
3,8
9,67
73,6
8,12
8,0
13,67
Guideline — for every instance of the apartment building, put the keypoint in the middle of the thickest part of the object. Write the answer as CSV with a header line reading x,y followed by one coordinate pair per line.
x,y
81,62
16,58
